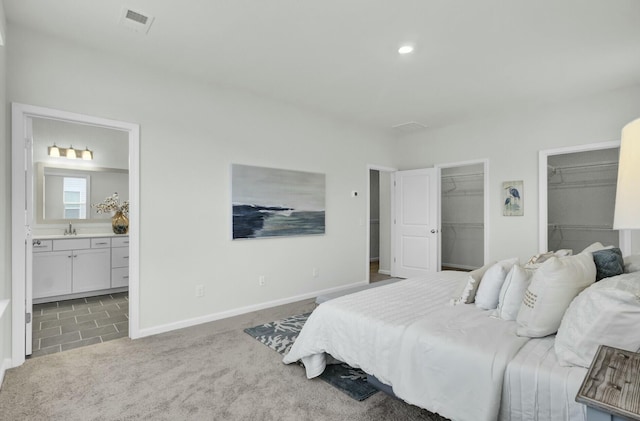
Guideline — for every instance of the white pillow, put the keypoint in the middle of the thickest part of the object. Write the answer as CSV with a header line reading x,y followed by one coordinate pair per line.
x,y
607,313
489,289
595,247
553,286
512,292
540,258
466,292
632,263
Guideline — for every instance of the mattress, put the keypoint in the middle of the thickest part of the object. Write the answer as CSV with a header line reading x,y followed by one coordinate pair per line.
x,y
537,388
364,329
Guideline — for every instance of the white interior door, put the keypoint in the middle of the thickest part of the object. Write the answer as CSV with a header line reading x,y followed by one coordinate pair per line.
x,y
28,238
415,223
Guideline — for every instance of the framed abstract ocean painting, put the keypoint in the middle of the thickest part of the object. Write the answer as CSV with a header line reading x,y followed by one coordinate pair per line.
x,y
270,202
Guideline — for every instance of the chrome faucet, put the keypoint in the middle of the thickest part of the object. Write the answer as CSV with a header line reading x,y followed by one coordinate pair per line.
x,y
70,231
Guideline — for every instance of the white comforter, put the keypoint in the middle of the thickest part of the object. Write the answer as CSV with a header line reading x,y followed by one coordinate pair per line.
x,y
453,362
364,329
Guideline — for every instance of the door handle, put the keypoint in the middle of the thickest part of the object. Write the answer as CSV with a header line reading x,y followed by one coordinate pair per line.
x,y
434,231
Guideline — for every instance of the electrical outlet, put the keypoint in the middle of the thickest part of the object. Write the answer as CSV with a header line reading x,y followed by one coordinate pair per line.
x,y
200,290
261,280
315,272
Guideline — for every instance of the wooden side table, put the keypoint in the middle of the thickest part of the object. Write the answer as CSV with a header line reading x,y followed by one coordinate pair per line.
x,y
611,388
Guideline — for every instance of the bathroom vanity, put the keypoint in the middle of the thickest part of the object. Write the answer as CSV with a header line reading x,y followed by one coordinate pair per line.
x,y
66,267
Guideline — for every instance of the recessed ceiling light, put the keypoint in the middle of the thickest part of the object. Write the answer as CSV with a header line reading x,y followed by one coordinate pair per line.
x,y
405,49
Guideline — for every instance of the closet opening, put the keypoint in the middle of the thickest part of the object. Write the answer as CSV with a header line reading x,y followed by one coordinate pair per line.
x,y
462,216
581,194
577,198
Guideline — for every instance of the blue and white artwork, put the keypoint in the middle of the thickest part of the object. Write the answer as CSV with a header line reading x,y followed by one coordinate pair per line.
x,y
269,202
512,196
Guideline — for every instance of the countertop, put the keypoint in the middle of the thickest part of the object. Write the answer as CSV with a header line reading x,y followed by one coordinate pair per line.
x,y
65,237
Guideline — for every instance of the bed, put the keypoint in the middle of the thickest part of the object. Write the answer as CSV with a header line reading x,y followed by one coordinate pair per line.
x,y
456,360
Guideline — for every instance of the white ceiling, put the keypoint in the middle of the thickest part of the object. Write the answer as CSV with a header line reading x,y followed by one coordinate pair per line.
x,y
339,57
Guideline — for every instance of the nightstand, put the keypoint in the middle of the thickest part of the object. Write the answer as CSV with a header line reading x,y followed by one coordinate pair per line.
x,y
611,388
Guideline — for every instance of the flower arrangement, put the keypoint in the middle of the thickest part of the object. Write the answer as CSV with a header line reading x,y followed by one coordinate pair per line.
x,y
112,204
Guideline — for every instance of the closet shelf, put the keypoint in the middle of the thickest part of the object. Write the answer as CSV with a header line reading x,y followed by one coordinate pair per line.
x,y
599,165
581,227
582,184
464,175
463,224
469,192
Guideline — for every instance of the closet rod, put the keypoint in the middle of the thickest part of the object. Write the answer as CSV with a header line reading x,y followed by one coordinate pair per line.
x,y
463,175
464,224
584,166
573,184
581,227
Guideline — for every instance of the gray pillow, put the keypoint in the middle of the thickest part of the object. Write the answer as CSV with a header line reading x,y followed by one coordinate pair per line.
x,y
609,262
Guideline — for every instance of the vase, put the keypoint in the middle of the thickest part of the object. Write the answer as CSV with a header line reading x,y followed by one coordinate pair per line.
x,y
120,223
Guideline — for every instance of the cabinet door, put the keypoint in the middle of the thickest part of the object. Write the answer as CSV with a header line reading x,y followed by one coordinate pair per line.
x,y
120,257
91,269
52,273
119,277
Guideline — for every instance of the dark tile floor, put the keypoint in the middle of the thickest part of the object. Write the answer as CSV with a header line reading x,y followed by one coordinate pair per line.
x,y
64,325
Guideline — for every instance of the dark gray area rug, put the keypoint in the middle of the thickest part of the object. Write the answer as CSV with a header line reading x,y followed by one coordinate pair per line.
x,y
280,336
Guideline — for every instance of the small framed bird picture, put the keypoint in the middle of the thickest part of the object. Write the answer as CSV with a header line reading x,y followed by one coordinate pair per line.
x,y
513,198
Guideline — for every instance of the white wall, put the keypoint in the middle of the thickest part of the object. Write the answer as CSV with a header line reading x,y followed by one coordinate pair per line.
x,y
5,205
190,135
511,142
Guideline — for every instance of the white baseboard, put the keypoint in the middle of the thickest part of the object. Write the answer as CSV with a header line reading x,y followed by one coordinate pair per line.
x,y
384,272
241,310
4,366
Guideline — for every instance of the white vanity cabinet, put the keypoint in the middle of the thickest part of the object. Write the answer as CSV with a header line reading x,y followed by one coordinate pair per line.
x,y
52,273
72,267
119,262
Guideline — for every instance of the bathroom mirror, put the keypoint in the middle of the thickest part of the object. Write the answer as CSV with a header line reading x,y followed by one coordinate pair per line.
x,y
66,193
64,188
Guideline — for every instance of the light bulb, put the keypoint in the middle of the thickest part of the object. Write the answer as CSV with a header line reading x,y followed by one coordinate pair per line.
x,y
71,153
54,151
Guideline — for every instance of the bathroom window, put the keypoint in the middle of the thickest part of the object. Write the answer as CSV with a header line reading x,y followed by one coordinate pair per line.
x,y
74,197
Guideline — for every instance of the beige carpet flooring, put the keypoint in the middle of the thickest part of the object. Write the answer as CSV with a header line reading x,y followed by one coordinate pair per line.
x,y
213,371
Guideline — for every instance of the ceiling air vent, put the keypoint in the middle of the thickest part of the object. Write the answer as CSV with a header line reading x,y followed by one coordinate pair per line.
x,y
409,127
135,21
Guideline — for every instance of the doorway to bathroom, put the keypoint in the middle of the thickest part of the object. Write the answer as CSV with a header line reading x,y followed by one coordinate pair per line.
x,y
73,277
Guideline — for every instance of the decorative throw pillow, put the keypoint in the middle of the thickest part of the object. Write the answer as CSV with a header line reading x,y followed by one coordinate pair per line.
x,y
632,263
512,292
553,286
466,292
540,258
489,289
608,262
607,312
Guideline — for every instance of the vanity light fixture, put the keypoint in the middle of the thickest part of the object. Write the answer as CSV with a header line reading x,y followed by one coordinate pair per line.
x,y
70,153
